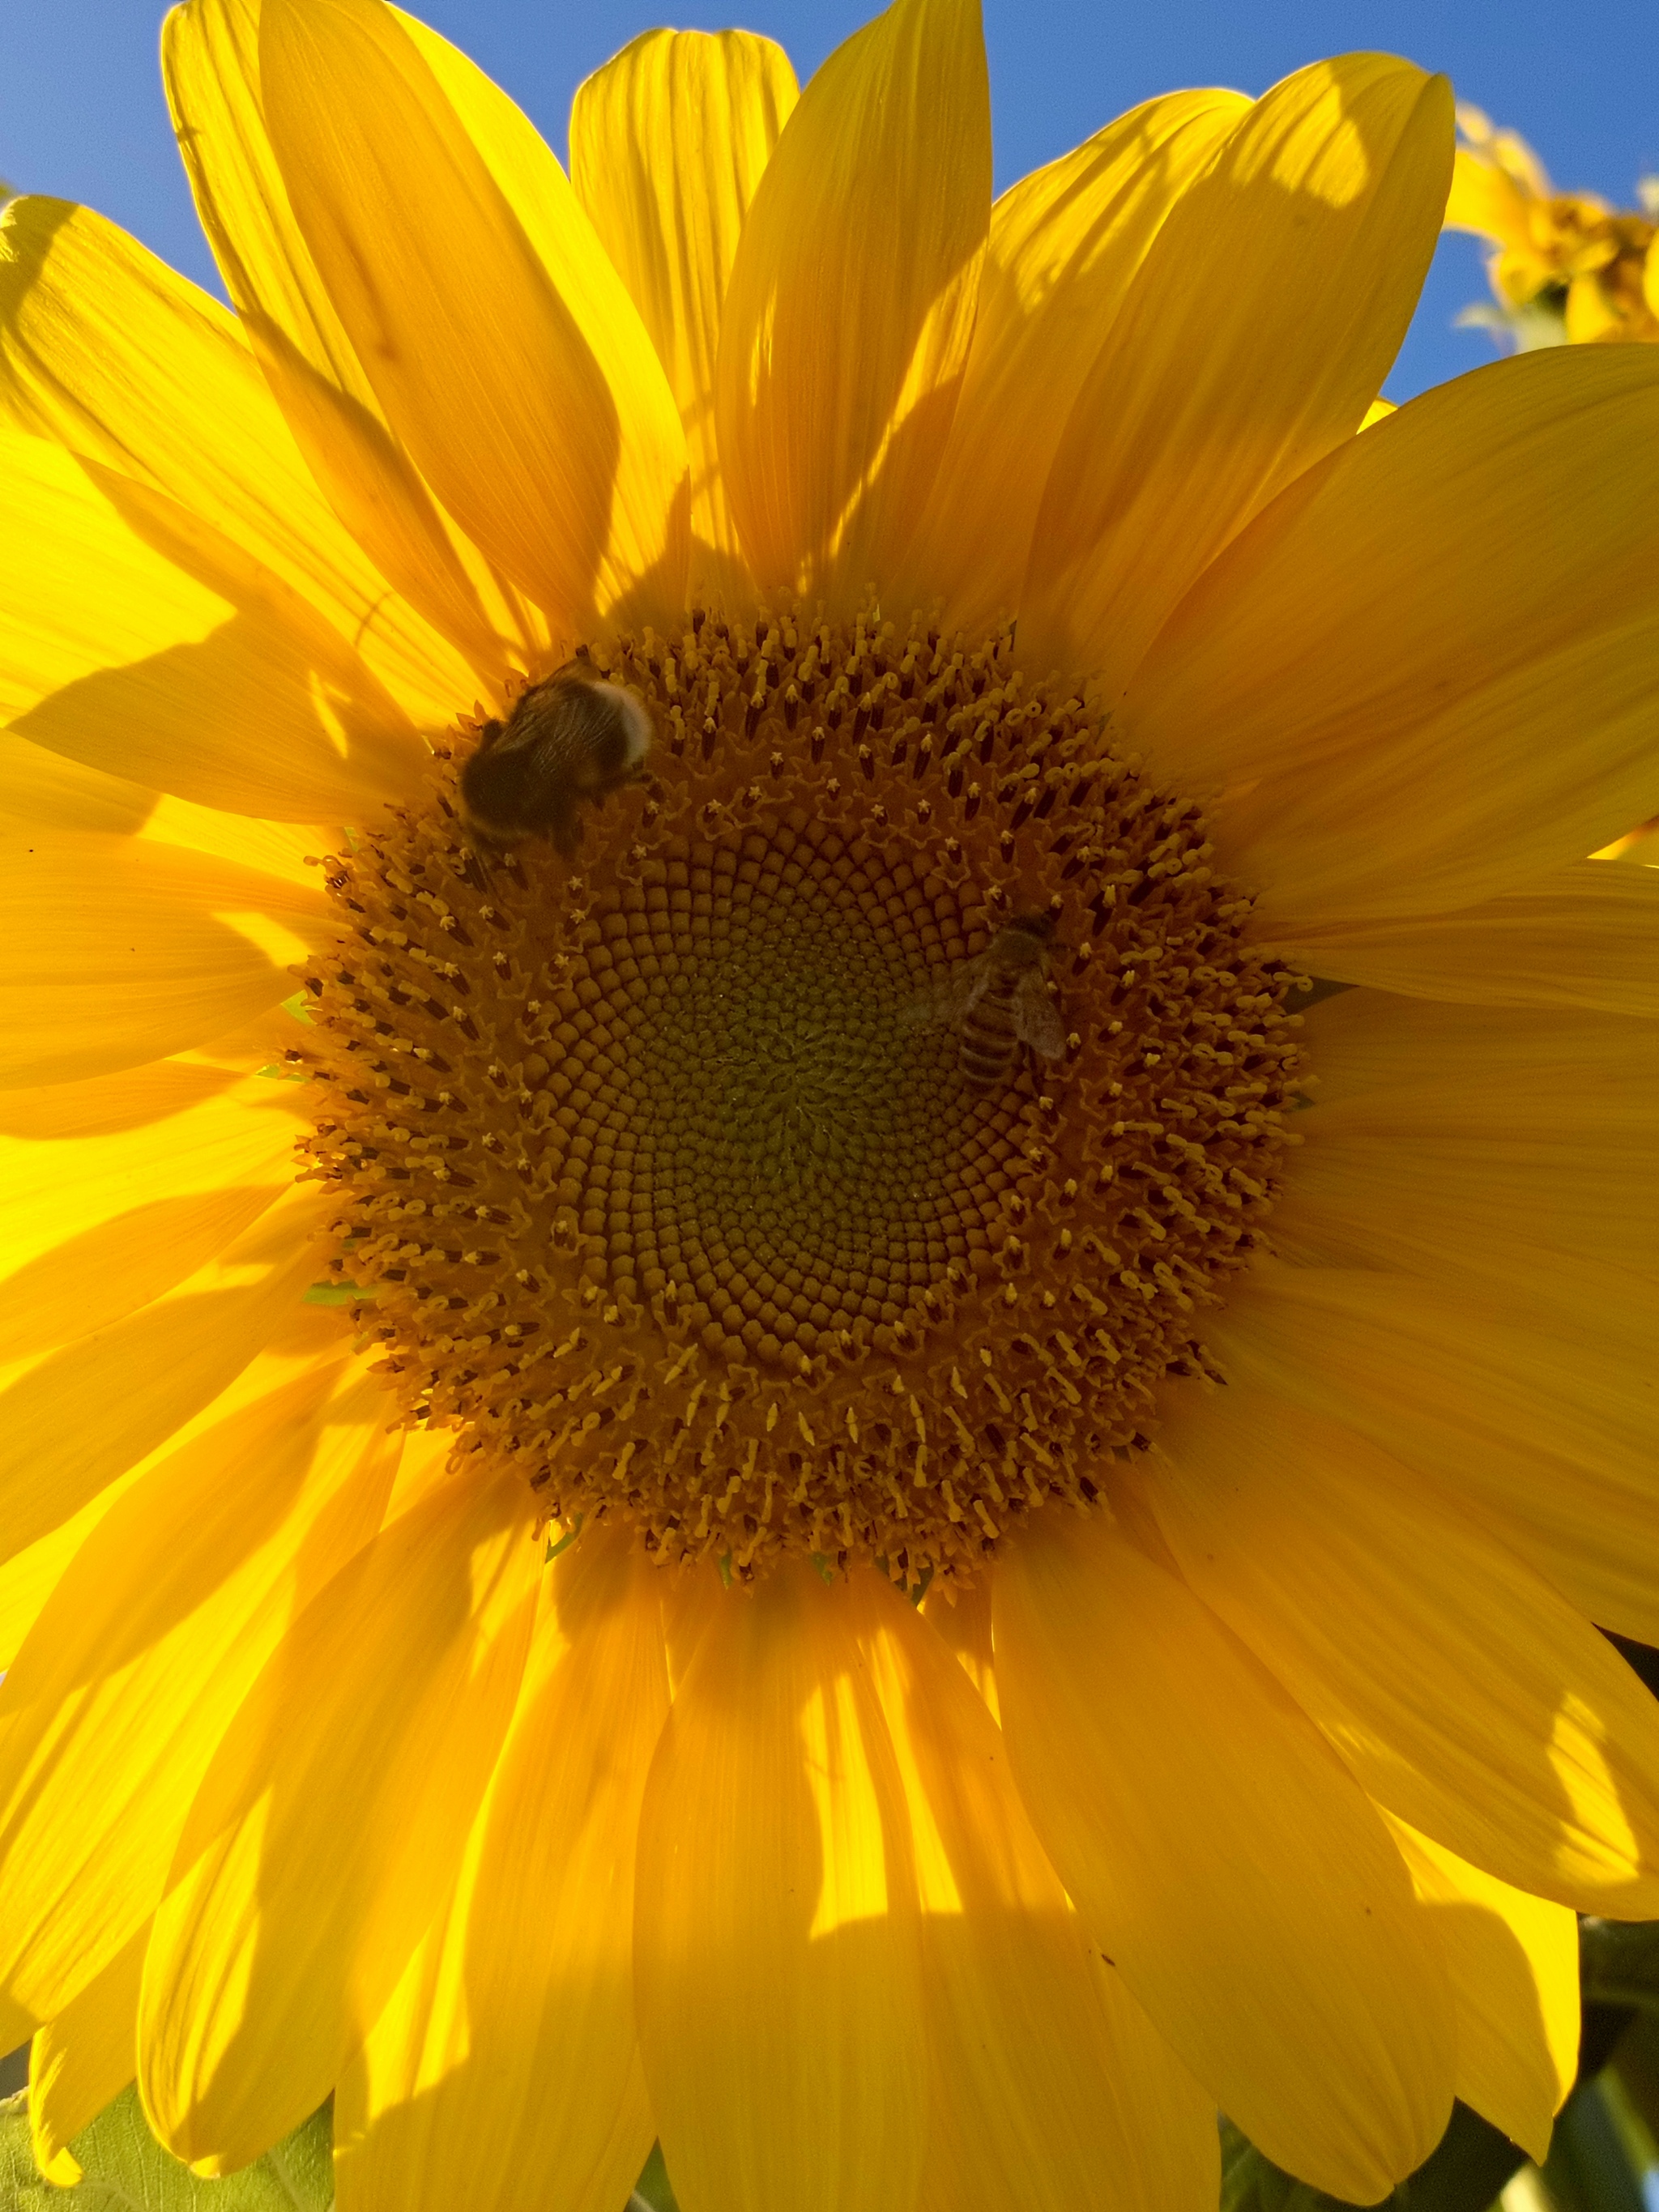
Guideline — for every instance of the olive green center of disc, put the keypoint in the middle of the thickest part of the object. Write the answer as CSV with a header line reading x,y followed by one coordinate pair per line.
x,y
803,1153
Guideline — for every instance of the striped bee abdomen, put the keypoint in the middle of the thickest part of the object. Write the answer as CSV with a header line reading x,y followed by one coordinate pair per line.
x,y
990,1035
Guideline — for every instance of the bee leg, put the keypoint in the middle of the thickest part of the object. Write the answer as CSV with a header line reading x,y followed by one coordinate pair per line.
x,y
566,831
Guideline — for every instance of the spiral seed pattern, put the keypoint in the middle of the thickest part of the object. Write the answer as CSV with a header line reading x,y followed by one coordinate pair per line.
x,y
661,1181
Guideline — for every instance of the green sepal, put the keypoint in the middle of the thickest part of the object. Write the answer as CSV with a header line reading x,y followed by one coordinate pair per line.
x,y
654,2191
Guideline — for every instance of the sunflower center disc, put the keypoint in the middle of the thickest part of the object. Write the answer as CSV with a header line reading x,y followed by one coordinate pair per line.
x,y
666,1174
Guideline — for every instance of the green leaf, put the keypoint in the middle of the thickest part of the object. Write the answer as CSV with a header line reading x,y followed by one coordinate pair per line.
x,y
1636,2062
22,2189
1619,1962
124,2169
1589,2168
1464,2172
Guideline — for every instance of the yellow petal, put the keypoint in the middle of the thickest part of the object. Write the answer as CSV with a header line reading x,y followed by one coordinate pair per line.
x,y
1357,1221
1587,935
1046,2075
142,641
331,1821
1538,1122
79,1252
211,64
1486,201
508,2049
83,2059
1507,150
86,1413
1224,1858
498,339
304,1336
113,1106
424,1466
667,145
1540,1091
109,352
1551,1106
48,790
775,1968
1425,676
1466,1693
55,793
1513,1960
217,683
16,2026
90,592
1591,315
964,1629
851,302
29,1577
1253,338
1639,846
1064,244
145,1649
121,952
1544,1431
288,849
689,1602
1446,1201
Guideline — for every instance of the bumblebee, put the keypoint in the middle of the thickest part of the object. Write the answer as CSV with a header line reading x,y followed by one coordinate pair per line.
x,y
568,740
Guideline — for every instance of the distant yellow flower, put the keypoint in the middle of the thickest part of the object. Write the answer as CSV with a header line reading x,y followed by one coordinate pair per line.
x,y
1266,1402
1567,266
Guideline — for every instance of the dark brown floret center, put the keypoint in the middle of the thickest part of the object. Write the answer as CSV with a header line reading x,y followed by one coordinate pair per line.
x,y
665,1173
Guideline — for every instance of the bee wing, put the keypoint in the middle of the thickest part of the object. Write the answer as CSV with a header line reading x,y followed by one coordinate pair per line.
x,y
1037,1018
948,1000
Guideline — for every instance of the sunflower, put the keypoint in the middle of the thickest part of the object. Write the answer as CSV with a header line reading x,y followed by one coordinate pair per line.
x,y
794,1469
1565,266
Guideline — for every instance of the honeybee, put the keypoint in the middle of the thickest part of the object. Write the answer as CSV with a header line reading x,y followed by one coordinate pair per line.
x,y
998,1002
568,740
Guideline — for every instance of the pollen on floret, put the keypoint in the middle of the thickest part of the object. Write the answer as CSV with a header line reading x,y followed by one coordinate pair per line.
x,y
658,1189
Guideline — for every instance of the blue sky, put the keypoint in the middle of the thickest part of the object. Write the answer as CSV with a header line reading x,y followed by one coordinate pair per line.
x,y
82,112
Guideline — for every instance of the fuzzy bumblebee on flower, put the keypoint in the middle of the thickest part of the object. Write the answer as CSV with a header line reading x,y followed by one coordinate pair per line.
x,y
473,1443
